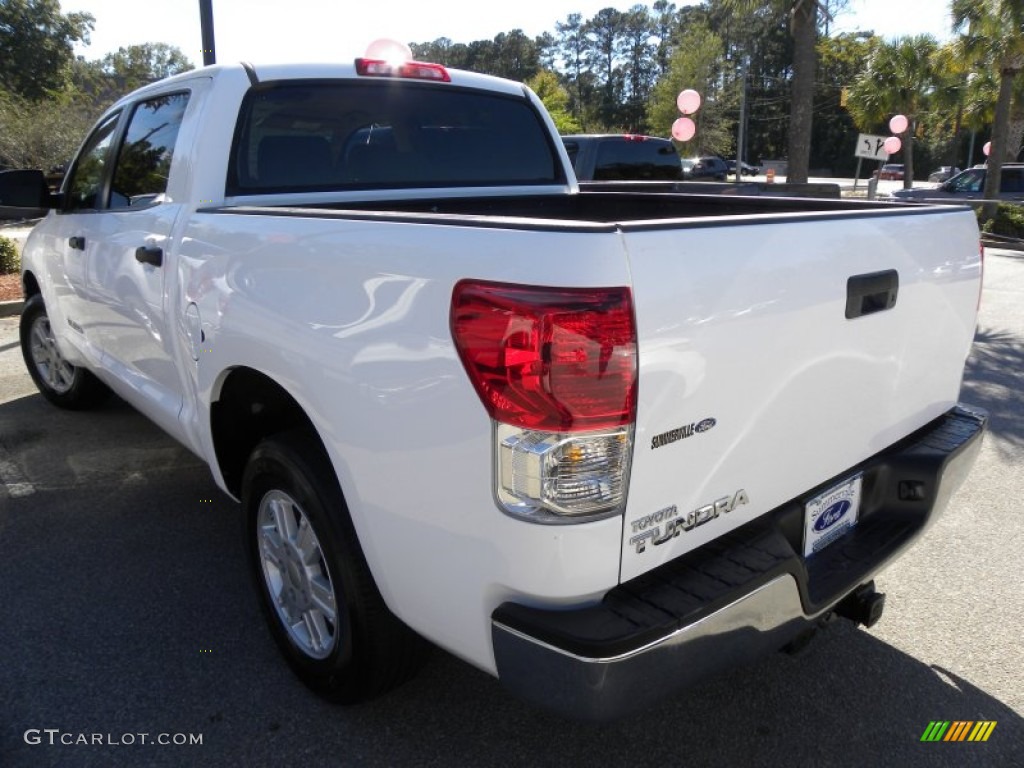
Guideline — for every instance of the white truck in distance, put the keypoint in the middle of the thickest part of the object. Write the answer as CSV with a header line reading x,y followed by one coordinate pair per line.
x,y
598,444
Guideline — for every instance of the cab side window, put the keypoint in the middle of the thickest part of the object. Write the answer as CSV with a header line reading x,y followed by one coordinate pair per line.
x,y
84,190
144,162
969,181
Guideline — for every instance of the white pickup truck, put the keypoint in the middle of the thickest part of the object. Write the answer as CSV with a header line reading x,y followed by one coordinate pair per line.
x,y
598,444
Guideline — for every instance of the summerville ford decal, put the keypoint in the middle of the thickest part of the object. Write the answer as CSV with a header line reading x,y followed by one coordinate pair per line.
x,y
831,515
681,433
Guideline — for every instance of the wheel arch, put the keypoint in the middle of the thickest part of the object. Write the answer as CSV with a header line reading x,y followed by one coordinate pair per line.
x,y
29,285
247,407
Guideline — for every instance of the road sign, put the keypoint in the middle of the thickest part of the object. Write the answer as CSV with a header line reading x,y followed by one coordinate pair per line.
x,y
871,147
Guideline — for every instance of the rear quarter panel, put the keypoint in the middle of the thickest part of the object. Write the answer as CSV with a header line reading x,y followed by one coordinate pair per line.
x,y
352,318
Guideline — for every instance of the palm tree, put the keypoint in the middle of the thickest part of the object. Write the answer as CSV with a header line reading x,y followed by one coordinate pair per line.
x,y
953,76
967,90
995,30
898,79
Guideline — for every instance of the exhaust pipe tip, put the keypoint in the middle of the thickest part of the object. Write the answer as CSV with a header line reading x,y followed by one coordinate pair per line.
x,y
863,606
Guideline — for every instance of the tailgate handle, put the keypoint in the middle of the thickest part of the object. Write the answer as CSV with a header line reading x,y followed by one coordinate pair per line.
x,y
870,293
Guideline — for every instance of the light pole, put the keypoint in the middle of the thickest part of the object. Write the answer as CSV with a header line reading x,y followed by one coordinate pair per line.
x,y
206,28
741,138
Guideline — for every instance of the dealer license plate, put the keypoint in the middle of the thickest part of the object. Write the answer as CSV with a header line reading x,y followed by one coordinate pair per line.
x,y
831,515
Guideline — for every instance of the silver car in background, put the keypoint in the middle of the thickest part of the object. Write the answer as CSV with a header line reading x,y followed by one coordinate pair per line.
x,y
969,185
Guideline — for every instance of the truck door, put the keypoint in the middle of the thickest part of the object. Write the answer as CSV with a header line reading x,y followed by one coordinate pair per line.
x,y
123,291
68,248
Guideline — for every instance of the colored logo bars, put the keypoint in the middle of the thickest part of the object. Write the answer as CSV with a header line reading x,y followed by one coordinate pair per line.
x,y
958,730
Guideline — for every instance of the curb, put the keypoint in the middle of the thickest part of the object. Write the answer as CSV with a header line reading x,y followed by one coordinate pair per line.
x,y
1006,243
11,308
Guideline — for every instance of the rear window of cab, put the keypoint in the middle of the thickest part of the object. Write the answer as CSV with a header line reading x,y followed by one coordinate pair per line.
x,y
341,135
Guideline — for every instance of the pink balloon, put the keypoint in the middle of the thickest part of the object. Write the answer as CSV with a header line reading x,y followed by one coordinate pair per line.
x,y
683,129
392,51
898,124
892,145
987,148
688,101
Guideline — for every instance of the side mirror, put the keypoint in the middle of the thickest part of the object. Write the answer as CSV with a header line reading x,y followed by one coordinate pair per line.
x,y
24,194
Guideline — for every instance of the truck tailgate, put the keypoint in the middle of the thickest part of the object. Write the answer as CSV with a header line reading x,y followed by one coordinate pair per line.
x,y
754,384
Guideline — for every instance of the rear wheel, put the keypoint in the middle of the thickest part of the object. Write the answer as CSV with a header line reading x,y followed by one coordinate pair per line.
x,y
60,382
318,595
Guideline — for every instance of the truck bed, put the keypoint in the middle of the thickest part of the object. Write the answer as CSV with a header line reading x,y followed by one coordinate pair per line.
x,y
756,314
625,210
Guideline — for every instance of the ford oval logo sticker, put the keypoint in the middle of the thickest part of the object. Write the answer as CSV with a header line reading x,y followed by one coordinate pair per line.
x,y
832,515
705,425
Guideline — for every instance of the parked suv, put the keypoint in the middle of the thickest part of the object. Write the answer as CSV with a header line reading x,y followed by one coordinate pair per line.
x,y
970,185
708,168
623,157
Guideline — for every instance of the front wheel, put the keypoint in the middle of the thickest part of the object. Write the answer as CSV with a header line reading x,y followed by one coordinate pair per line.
x,y
319,598
60,382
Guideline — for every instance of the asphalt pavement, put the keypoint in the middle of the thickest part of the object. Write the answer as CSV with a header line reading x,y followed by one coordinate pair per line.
x,y
127,610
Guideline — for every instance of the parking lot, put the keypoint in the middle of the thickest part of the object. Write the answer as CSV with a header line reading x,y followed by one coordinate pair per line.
x,y
128,611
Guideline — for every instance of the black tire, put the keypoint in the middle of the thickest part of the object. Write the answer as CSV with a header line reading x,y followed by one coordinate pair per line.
x,y
365,650
63,384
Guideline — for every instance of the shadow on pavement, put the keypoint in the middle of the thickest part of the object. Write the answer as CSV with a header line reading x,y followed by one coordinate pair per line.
x,y
994,380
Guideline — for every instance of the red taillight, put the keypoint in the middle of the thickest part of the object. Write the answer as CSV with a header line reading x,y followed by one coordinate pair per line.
x,y
560,359
415,70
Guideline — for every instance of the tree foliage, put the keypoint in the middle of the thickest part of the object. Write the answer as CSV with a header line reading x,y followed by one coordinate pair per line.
x,y
697,59
49,98
571,47
620,59
802,19
900,78
639,65
36,45
43,133
834,134
137,65
513,54
992,32
556,100
620,70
